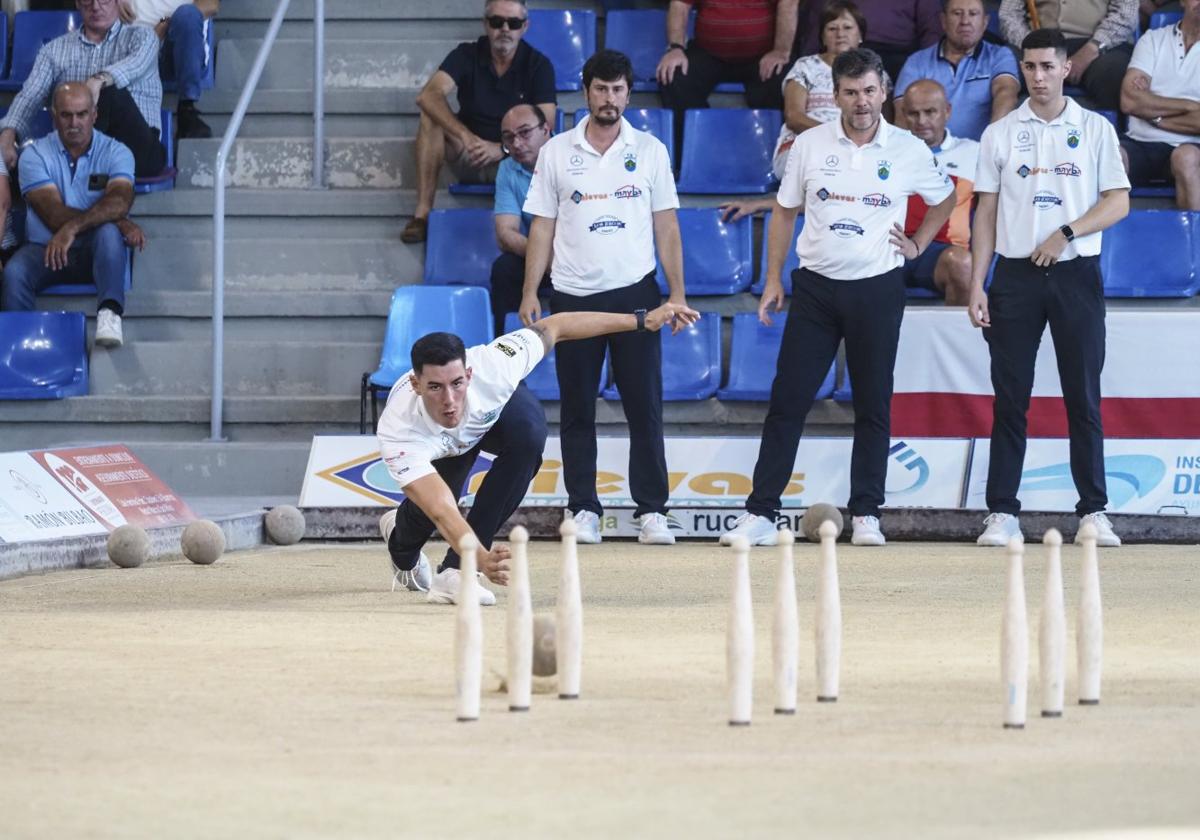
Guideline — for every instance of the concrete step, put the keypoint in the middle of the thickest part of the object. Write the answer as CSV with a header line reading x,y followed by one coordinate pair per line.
x,y
252,368
286,163
265,327
311,306
350,63
147,415
301,125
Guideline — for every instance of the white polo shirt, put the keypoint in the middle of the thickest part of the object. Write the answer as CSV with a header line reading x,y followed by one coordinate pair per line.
x,y
604,236
410,440
1174,72
852,195
1048,174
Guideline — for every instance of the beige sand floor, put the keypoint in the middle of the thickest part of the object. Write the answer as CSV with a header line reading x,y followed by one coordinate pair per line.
x,y
287,693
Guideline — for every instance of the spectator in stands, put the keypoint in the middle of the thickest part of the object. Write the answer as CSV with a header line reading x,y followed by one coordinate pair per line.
x,y
748,42
1099,39
119,64
898,28
980,78
181,27
945,266
523,132
808,98
1161,94
603,198
78,183
490,76
1146,8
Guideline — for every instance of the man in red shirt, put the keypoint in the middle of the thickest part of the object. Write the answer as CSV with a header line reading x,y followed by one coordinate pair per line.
x,y
747,41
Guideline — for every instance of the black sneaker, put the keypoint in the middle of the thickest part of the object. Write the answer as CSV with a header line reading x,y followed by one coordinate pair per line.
x,y
189,125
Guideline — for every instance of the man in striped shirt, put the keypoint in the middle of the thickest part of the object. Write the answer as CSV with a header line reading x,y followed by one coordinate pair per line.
x,y
118,63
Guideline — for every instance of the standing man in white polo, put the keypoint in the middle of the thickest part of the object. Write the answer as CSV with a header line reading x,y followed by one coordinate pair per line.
x,y
603,196
1049,181
852,177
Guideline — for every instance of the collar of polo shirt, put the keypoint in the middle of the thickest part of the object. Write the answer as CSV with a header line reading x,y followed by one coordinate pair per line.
x,y
1072,114
973,53
108,36
579,135
879,140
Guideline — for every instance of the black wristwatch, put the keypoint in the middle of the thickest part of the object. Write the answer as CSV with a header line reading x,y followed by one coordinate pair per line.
x,y
675,46
640,314
1067,232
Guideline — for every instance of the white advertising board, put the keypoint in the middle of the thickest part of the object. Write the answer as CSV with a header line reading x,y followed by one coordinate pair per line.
x,y
703,473
1143,476
34,506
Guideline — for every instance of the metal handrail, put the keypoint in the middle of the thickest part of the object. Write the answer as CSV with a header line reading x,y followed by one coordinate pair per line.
x,y
231,131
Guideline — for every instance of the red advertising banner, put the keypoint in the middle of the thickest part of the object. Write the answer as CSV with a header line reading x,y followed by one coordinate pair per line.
x,y
115,486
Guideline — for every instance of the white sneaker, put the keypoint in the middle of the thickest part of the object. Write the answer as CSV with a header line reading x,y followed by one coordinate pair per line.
x,y
866,531
998,529
444,589
587,528
655,530
1105,536
758,530
108,329
416,579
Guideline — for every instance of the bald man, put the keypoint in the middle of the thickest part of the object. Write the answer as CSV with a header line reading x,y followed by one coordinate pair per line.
x,y
945,266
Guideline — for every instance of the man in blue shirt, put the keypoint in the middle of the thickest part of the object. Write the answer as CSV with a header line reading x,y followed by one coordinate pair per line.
x,y
980,78
523,132
78,184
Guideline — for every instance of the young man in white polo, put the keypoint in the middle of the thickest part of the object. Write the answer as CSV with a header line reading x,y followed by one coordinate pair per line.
x,y
603,196
852,178
1049,181
457,401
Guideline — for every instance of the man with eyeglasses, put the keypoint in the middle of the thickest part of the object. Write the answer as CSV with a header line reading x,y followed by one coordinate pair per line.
x,y
523,132
119,64
489,76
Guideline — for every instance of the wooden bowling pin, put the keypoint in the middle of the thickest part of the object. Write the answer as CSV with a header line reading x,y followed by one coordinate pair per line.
x,y
828,617
1089,628
569,616
1052,630
785,630
1014,640
520,624
739,638
468,633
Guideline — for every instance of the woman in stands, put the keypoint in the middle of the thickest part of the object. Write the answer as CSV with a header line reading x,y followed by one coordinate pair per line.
x,y
808,86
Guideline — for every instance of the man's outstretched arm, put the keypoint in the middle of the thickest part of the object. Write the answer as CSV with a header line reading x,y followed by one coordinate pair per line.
x,y
570,326
432,495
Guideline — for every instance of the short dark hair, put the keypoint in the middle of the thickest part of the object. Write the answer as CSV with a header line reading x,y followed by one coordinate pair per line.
x,y
1045,39
537,112
835,9
608,66
854,64
437,349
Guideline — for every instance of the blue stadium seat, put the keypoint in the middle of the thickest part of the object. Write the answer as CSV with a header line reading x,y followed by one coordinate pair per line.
x,y
1111,116
657,121
43,355
3,45
30,31
416,311
164,180
472,189
718,257
752,354
88,289
640,34
568,38
1160,19
790,262
543,381
461,247
210,79
1150,253
41,124
728,150
691,361
844,393
560,120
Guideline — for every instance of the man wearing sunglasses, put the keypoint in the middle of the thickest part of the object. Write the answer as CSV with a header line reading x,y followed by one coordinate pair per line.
x,y
489,76
523,132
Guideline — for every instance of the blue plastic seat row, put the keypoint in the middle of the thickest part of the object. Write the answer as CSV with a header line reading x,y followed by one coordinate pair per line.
x,y
43,355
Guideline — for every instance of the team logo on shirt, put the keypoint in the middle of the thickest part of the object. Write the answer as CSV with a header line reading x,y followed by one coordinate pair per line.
x,y
627,191
576,160
876,200
577,196
630,161
1069,169
606,225
846,228
826,195
1046,200
511,352
1024,171
1073,137
832,162
885,169
490,416
1024,141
